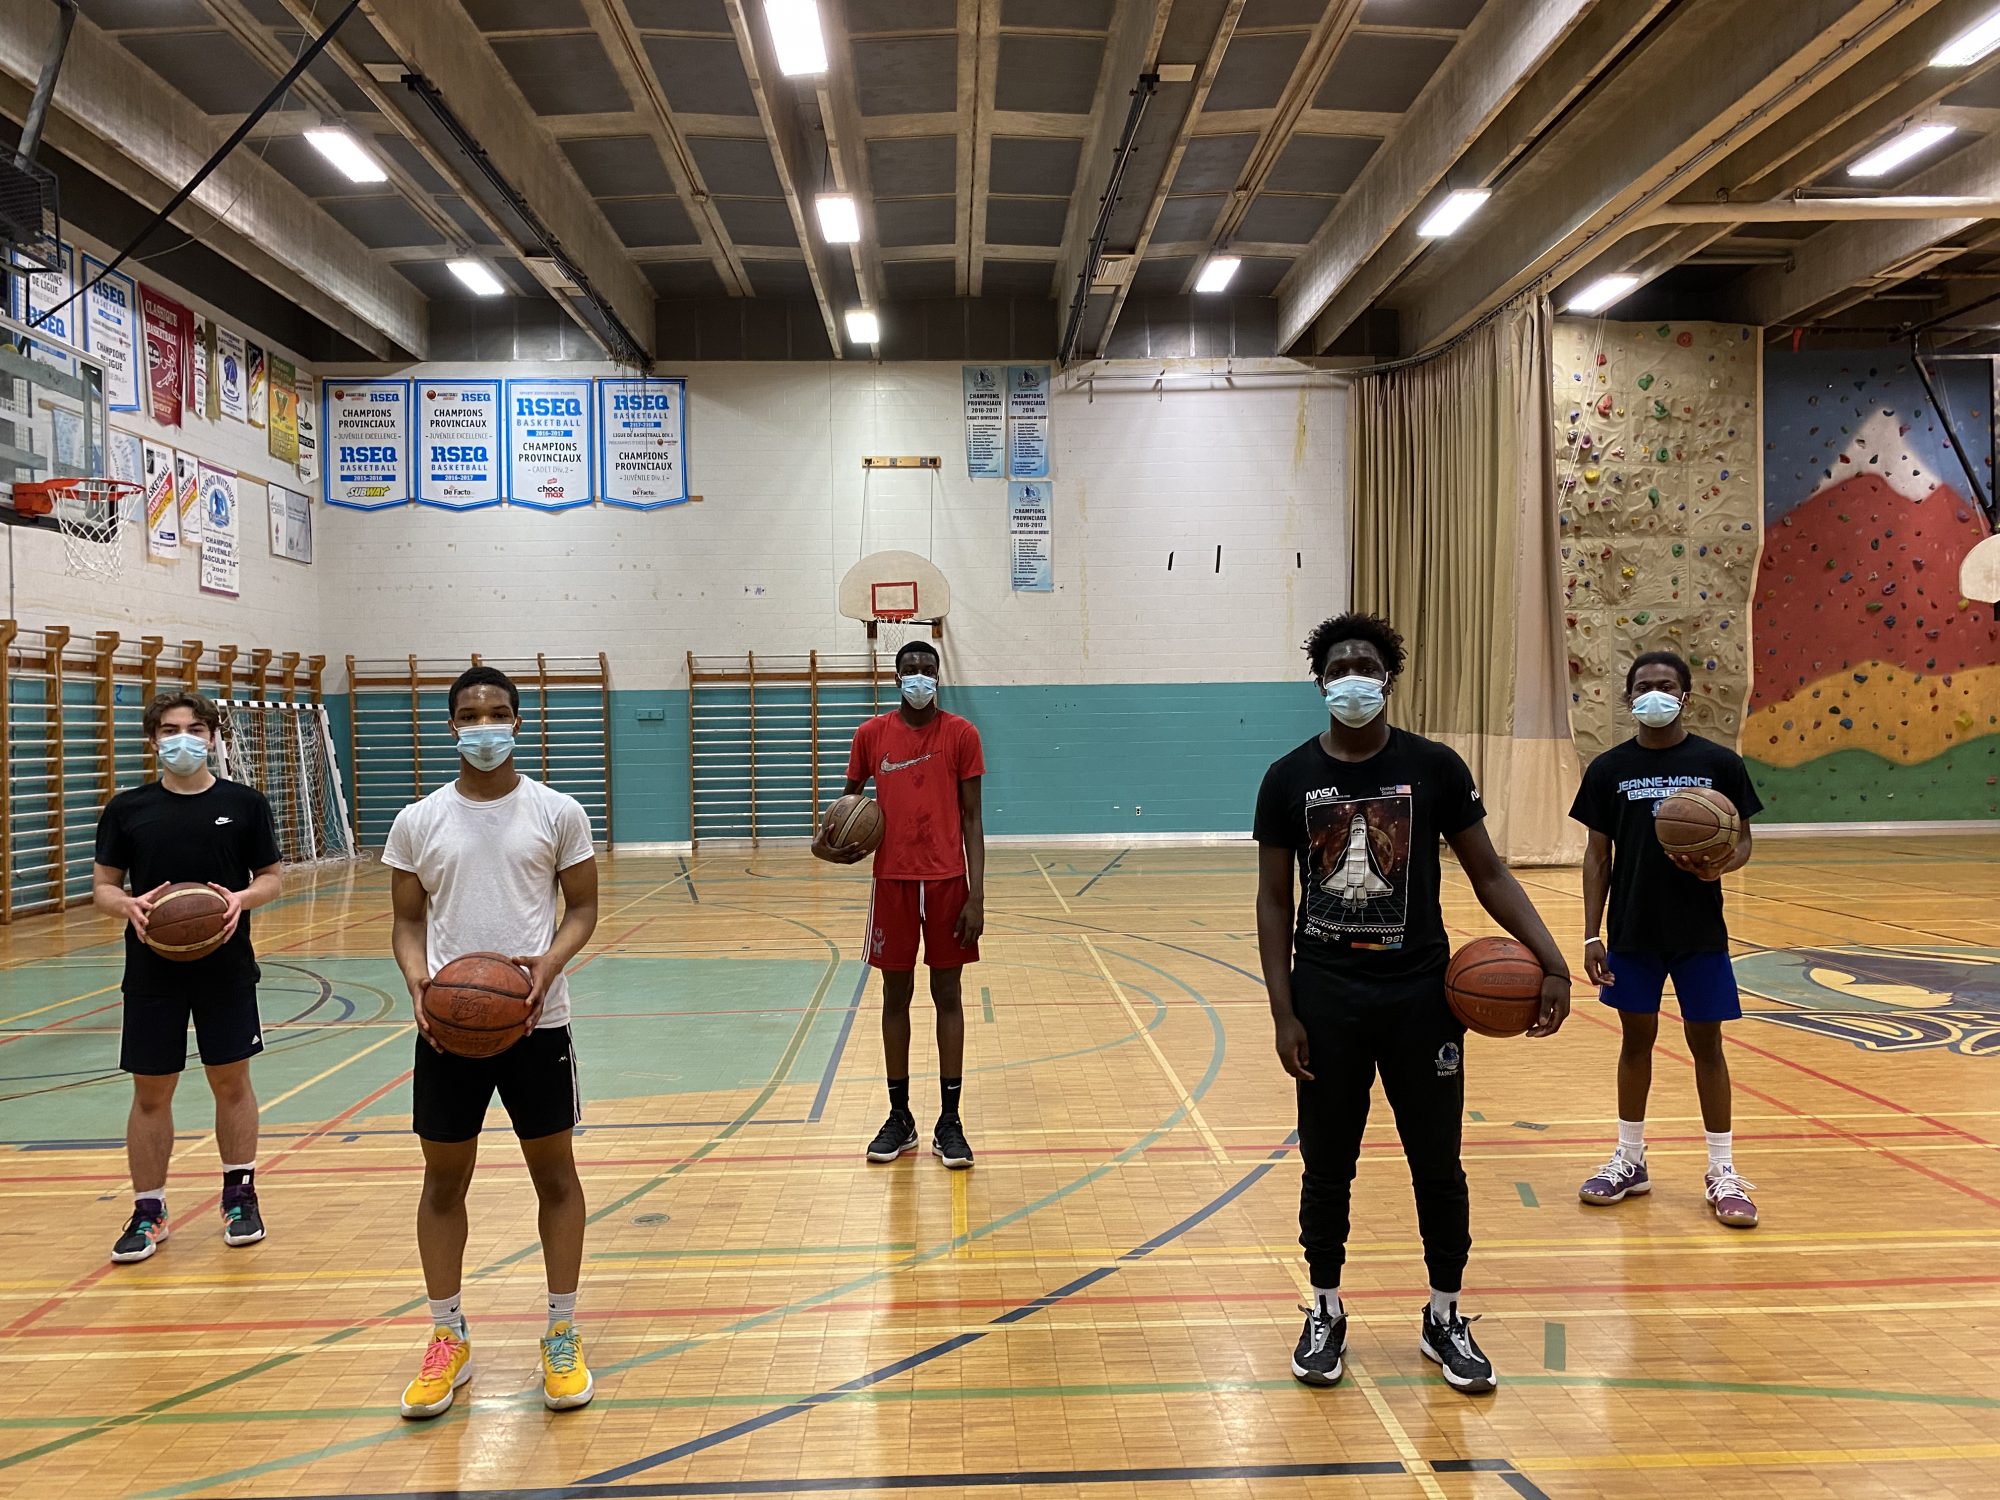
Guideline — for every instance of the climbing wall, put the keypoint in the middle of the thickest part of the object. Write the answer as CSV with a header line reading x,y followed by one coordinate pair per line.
x,y
1656,469
1876,688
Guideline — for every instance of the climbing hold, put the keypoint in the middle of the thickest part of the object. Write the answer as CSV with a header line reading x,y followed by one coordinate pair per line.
x,y
1659,408
1646,381
1685,340
1642,617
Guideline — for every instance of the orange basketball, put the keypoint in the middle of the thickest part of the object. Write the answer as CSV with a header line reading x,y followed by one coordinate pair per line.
x,y
478,1005
852,821
186,922
1698,820
1494,986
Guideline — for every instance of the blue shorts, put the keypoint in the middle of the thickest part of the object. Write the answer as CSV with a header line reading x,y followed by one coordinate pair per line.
x,y
1704,984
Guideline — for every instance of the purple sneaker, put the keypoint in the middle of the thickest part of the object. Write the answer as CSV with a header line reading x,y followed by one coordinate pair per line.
x,y
1729,1195
1617,1179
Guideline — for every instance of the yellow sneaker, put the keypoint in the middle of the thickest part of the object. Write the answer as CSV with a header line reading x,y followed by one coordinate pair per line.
x,y
566,1378
447,1366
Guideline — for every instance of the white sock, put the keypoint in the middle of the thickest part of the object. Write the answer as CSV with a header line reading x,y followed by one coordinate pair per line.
x,y
1720,1149
139,1195
445,1313
1327,1300
1443,1305
562,1308
1632,1139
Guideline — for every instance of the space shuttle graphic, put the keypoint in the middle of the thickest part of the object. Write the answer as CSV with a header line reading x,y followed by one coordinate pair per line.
x,y
1355,879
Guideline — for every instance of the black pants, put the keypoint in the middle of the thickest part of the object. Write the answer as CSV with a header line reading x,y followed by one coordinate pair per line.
x,y
1418,1045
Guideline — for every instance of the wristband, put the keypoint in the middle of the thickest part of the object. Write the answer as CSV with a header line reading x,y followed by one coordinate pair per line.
x,y
1597,940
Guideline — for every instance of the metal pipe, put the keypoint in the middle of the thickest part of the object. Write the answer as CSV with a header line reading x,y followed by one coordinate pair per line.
x,y
45,86
1127,139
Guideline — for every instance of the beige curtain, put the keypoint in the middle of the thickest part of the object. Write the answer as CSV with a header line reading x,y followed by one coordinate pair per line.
x,y
1452,501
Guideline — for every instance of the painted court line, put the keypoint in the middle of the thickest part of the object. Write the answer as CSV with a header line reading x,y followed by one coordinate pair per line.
x,y
1181,1095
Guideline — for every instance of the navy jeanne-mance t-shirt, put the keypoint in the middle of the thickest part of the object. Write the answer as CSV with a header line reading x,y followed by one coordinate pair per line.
x,y
223,835
1656,906
1366,836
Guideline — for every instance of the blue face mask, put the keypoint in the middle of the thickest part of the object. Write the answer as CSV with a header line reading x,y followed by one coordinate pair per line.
x,y
1354,700
486,746
1656,710
183,754
919,690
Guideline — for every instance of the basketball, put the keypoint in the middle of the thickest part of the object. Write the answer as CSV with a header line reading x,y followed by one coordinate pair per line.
x,y
1494,986
477,1005
186,922
1699,820
854,821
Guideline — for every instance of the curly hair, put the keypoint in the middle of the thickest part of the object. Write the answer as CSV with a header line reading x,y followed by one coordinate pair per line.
x,y
1356,625
1660,659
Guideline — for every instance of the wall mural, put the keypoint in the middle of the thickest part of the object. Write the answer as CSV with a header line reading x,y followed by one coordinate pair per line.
x,y
1876,687
1656,469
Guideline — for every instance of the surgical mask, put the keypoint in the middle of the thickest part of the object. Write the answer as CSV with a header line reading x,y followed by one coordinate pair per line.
x,y
1656,710
183,754
1354,700
486,746
919,690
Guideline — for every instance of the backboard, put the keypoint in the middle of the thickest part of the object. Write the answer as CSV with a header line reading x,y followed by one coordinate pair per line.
x,y
53,415
900,587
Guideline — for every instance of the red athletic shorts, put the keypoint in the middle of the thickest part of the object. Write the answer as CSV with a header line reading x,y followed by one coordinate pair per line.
x,y
902,909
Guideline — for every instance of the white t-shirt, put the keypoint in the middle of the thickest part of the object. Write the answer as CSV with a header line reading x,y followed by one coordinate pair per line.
x,y
490,870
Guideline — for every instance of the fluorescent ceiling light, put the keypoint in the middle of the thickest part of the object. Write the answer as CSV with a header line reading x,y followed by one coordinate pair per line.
x,y
1891,154
839,220
863,327
1601,293
795,33
1969,46
1217,273
1449,215
477,276
346,153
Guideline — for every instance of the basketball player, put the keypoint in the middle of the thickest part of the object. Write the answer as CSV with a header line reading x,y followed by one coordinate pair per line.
x,y
477,865
930,881
1666,923
187,826
1358,985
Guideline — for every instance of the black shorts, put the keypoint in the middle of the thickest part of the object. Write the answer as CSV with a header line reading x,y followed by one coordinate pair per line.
x,y
226,1026
536,1079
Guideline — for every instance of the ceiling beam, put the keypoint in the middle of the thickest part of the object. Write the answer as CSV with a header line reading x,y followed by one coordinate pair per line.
x,y
969,129
116,117
986,85
1712,75
1496,56
436,38
1101,101
847,152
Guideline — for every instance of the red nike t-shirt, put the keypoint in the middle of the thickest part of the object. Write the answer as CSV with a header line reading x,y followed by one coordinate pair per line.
x,y
917,772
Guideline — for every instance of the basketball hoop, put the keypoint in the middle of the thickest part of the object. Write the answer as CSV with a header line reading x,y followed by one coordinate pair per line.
x,y
91,514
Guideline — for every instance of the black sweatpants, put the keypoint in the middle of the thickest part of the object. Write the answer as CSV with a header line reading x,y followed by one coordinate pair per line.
x,y
1418,1046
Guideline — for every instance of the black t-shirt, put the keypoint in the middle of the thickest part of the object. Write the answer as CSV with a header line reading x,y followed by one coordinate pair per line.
x,y
224,835
1656,906
1366,835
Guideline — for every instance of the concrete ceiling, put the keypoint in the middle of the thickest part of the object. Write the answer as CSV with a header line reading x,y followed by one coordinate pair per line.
x,y
659,143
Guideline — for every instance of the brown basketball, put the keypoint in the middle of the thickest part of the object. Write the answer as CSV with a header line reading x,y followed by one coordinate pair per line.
x,y
1698,820
478,1005
186,922
1494,986
854,820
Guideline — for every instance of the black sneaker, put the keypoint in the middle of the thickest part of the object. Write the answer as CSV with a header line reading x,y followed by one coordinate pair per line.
x,y
897,1137
241,1223
1450,1347
1322,1345
143,1231
948,1144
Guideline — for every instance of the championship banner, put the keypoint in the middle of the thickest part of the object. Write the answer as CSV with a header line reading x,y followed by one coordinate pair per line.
x,y
221,567
163,532
230,374
1031,528
985,421
201,386
284,388
549,444
308,418
187,497
41,300
1027,421
458,444
642,443
255,384
111,332
367,427
169,329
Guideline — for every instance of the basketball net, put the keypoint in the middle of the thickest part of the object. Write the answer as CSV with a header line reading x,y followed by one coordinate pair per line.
x,y
93,525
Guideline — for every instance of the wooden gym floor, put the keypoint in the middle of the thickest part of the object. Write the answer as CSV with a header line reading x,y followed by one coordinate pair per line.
x,y
1105,1305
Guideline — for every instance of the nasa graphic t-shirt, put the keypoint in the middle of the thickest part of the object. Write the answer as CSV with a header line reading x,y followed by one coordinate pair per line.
x,y
917,771
1366,836
1656,906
